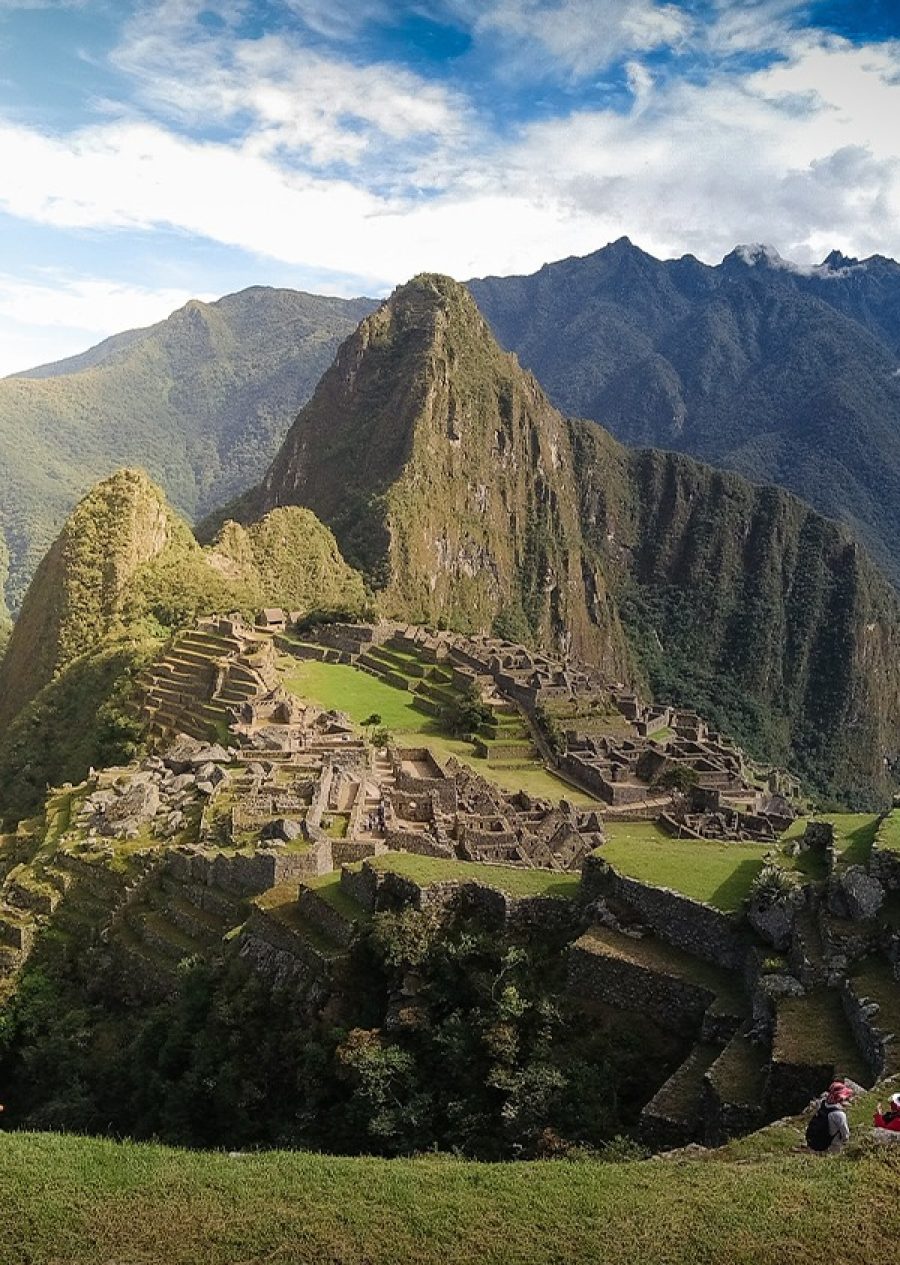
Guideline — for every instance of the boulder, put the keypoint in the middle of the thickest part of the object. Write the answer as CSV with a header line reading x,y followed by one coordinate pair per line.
x,y
856,894
284,829
773,920
126,813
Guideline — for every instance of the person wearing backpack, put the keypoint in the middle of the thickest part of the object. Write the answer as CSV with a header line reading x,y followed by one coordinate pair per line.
x,y
828,1131
889,1119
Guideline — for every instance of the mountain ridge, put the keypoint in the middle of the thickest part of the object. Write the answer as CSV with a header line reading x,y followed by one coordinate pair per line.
x,y
785,374
451,481
200,399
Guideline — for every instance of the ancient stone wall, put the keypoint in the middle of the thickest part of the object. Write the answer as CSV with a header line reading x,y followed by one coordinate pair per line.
x,y
876,1045
688,924
670,1001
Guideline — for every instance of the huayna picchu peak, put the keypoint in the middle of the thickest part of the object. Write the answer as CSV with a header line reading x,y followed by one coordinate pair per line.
x,y
465,497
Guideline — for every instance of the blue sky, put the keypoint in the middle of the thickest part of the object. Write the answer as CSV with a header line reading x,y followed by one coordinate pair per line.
x,y
151,152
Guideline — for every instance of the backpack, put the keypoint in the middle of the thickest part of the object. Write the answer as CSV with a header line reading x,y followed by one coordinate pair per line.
x,y
818,1131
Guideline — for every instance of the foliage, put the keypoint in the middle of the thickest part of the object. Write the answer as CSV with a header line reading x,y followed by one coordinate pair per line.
x,y
483,1058
784,377
201,400
466,713
772,885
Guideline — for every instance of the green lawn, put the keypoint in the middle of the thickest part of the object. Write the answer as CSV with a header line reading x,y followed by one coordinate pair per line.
x,y
347,689
508,878
82,1201
719,873
889,832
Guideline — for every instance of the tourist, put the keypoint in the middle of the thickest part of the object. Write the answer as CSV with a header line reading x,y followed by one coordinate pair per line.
x,y
828,1132
889,1119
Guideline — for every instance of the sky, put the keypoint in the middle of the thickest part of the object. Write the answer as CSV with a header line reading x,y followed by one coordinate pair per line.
x,y
154,152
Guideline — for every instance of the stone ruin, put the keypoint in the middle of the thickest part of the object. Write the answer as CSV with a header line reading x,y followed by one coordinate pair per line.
x,y
455,813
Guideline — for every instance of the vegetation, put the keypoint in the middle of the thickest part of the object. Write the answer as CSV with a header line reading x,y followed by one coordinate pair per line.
x,y
123,575
487,1058
466,713
784,377
736,600
510,879
83,1200
722,874
201,400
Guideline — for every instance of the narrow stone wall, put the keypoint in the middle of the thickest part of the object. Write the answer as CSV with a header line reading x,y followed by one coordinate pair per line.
x,y
876,1045
688,924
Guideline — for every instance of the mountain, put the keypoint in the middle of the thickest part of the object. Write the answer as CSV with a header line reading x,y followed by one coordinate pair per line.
x,y
201,400
464,496
786,375
124,573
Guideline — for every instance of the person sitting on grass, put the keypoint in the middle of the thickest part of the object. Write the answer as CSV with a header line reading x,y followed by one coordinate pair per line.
x,y
889,1119
828,1132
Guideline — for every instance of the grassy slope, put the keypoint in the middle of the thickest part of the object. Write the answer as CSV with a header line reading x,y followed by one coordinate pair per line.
x,y
509,879
82,1201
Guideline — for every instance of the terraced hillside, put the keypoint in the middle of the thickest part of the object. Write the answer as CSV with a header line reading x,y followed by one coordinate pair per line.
x,y
203,675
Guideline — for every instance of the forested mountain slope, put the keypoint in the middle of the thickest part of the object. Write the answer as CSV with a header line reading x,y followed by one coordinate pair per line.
x,y
785,375
450,480
201,400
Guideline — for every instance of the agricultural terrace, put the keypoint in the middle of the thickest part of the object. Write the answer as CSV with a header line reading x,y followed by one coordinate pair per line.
x,y
512,880
854,834
348,689
719,873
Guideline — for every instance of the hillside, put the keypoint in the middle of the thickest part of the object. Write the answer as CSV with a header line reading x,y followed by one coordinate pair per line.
x,y
201,400
80,1200
458,489
124,573
785,375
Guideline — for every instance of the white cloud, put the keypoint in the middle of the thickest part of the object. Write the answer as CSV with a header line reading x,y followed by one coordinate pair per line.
x,y
59,315
770,156
803,154
283,96
575,37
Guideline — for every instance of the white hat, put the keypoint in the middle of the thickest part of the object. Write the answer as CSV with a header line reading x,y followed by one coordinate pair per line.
x,y
895,1101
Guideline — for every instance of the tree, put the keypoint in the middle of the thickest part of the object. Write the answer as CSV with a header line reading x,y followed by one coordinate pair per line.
x,y
466,713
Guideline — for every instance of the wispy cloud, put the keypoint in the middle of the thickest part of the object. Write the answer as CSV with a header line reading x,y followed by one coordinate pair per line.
x,y
302,150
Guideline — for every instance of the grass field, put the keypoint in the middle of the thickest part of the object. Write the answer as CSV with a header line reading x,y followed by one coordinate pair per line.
x,y
349,690
719,873
80,1201
507,878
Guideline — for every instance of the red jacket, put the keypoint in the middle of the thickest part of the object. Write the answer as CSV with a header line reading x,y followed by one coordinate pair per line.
x,y
890,1120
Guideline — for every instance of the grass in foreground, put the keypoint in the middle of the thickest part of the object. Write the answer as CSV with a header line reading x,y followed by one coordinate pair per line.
x,y
507,878
719,873
80,1201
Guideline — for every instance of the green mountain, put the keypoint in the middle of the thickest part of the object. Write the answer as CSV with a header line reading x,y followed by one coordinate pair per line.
x,y
124,573
785,375
201,400
463,495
